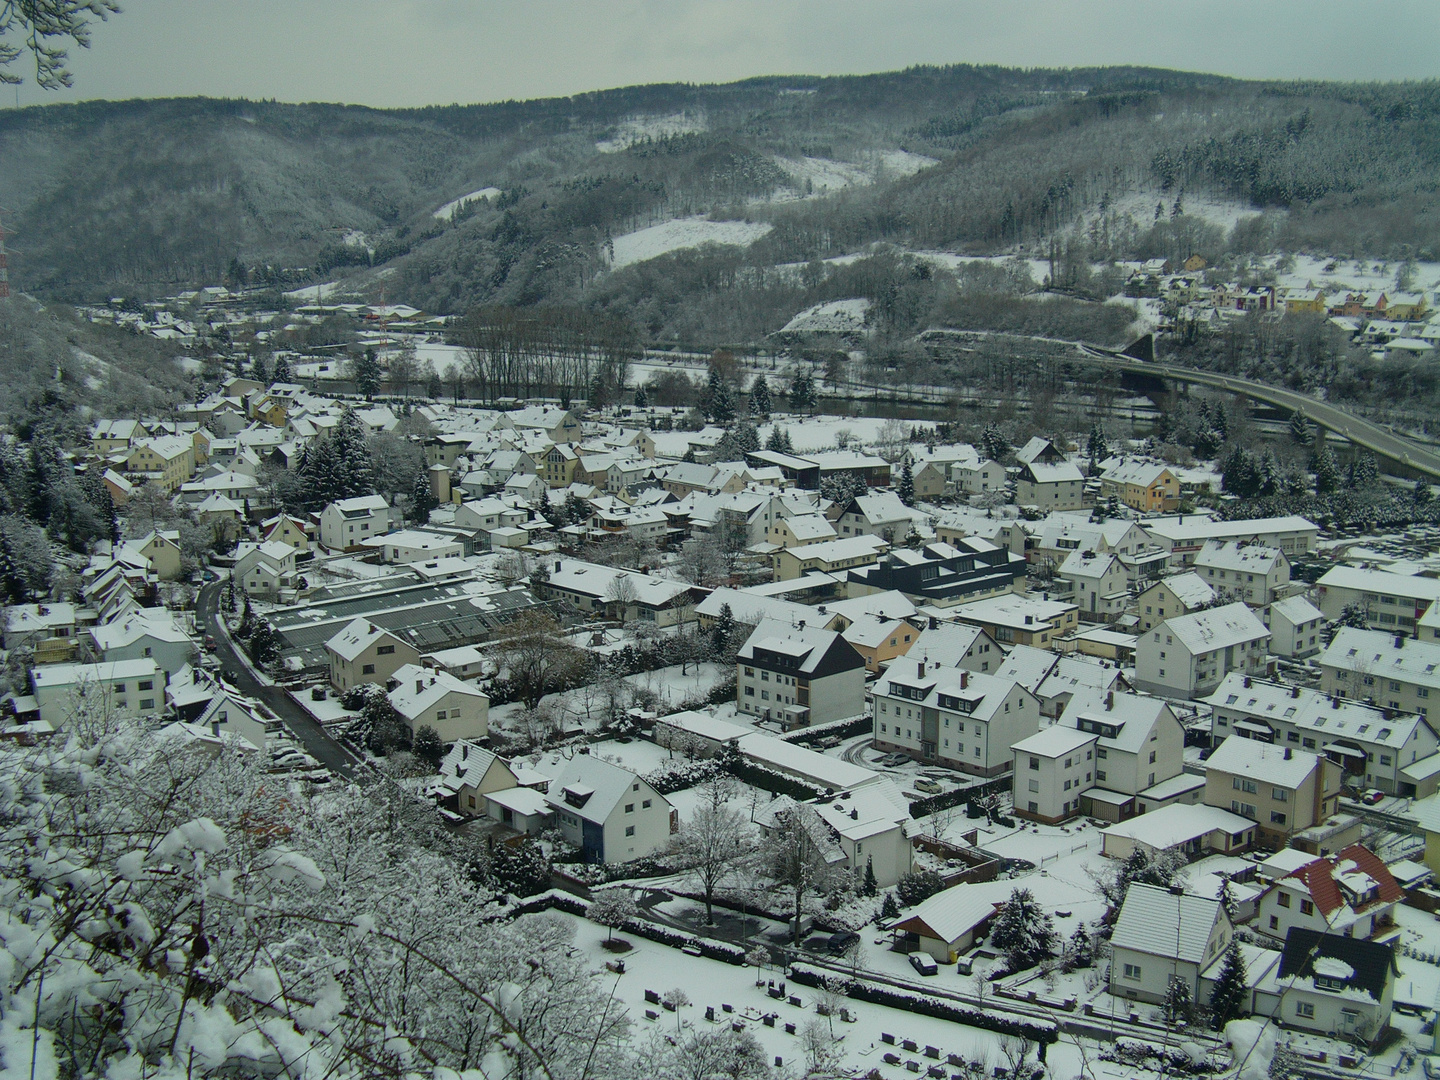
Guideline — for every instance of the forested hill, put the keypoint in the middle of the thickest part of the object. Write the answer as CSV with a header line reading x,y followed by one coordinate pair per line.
x,y
137,197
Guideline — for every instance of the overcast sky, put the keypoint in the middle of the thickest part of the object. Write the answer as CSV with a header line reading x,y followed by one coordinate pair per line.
x,y
419,52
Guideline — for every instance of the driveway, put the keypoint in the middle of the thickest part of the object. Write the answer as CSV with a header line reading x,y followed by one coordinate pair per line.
x,y
317,742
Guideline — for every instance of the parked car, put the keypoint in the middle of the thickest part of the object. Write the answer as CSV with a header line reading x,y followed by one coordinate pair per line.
x,y
1373,796
930,787
209,641
841,940
924,963
894,759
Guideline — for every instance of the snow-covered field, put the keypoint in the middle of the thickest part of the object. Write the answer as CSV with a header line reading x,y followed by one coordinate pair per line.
x,y
834,317
446,212
683,233
1141,204
1354,275
640,128
815,176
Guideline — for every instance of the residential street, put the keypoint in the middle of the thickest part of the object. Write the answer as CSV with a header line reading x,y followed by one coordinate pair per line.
x,y
312,736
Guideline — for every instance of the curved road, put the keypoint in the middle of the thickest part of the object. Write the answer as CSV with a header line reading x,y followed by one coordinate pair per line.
x,y
1373,437
317,742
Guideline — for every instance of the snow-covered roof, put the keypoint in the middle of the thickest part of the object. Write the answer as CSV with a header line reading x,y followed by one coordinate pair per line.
x,y
1384,655
822,769
890,604
521,800
1190,528
1296,610
1053,742
870,810
1241,558
1337,717
1216,628
1028,666
361,504
418,690
590,788
1381,581
749,609
705,726
357,636
949,915
945,645
1189,588
1136,471
156,623
1173,825
1157,921
54,675
1131,716
1281,766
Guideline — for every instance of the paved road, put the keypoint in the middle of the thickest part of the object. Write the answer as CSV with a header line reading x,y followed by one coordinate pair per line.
x,y
1380,440
305,727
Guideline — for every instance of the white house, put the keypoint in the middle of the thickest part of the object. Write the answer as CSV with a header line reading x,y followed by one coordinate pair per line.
x,y
871,825
149,633
1294,625
469,772
1052,768
1179,594
952,717
1057,486
608,812
129,688
1161,936
348,523
1351,893
1189,830
264,569
799,675
414,545
1100,584
1187,656
1250,572
881,514
1337,986
366,653
455,709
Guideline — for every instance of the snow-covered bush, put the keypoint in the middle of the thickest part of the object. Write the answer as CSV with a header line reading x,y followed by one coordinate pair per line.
x,y
169,914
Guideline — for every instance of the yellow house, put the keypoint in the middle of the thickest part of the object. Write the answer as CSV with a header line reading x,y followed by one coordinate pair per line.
x,y
802,529
1147,486
167,462
201,437
829,556
270,410
1407,307
880,640
286,530
113,435
1297,300
559,466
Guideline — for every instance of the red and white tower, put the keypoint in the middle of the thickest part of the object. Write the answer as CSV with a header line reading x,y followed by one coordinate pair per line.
x,y
4,267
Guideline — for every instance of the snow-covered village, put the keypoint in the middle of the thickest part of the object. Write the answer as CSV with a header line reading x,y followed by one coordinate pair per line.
x,y
921,569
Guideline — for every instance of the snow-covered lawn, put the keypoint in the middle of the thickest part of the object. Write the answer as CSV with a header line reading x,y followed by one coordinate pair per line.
x,y
682,233
640,128
836,316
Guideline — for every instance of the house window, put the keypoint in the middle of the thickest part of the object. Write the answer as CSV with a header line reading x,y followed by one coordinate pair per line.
x,y
629,830
384,650
629,807
1277,818
645,805
440,714
368,669
1132,971
1279,794
147,703
148,684
1305,1009
1307,907
1283,899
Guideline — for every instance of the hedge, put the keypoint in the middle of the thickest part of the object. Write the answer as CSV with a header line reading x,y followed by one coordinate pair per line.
x,y
846,729
894,998
662,935
935,803
768,779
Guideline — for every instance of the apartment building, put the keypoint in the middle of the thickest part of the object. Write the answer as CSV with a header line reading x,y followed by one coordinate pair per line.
x,y
1390,601
1283,790
1253,573
798,675
1187,656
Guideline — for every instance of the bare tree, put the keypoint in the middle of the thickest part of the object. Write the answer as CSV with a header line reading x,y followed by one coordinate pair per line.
x,y
536,657
797,860
620,597
715,842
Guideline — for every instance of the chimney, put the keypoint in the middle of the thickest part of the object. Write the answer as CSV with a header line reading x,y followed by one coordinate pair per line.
x,y
1335,702
964,680
802,624
464,751
1399,641
1289,753
854,815
557,566
1248,682
419,685
922,669
1029,619
1295,691
934,623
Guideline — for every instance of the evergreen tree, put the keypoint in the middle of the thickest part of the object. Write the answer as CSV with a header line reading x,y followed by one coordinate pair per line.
x,y
1286,1064
1178,1005
689,456
367,373
422,499
1082,949
1227,899
723,632
906,486
259,372
1300,431
1353,615
1227,1000
719,406
1421,494
871,886
1097,448
889,909
993,443
282,369
1024,932
1327,472
427,746
779,441
802,389
641,399
760,397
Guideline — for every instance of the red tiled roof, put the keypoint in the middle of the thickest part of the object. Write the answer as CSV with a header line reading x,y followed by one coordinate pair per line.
x,y
1318,878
